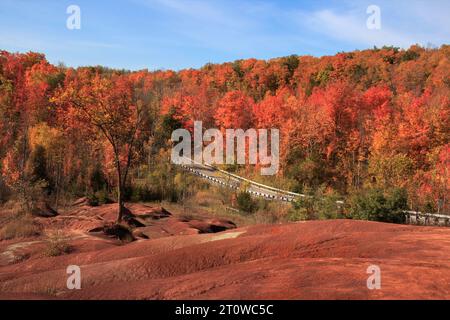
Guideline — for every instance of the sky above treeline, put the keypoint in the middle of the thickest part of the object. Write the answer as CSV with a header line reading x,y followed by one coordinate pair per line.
x,y
178,34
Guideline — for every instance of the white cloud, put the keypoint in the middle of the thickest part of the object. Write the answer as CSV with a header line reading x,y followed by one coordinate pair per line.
x,y
246,26
402,24
352,28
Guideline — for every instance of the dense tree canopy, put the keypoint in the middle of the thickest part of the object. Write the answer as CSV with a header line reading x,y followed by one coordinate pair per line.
x,y
374,118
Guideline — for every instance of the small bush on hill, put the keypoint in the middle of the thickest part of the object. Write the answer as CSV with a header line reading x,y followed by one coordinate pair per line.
x,y
57,245
246,203
99,198
321,204
21,227
378,205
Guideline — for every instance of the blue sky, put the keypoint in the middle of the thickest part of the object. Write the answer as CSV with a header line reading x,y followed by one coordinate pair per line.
x,y
176,34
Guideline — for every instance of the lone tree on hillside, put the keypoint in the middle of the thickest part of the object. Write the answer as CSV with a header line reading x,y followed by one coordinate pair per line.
x,y
110,105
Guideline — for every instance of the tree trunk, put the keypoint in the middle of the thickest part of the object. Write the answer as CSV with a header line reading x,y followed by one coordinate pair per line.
x,y
120,201
120,189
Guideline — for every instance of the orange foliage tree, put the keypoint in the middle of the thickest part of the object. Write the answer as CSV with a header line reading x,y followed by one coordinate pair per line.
x,y
111,106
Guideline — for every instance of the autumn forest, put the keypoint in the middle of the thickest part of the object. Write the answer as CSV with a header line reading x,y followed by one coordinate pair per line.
x,y
371,128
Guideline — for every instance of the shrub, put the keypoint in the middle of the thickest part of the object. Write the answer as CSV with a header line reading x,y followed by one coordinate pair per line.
x,y
143,193
164,183
37,167
22,227
297,215
5,192
308,172
327,206
273,211
93,200
137,194
303,209
98,180
98,198
102,196
378,205
206,198
246,203
29,193
57,245
321,204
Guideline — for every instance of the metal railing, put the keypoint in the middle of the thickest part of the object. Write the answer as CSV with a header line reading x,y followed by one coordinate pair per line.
x,y
411,217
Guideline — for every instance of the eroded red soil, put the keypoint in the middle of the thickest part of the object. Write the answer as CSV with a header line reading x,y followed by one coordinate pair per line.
x,y
310,260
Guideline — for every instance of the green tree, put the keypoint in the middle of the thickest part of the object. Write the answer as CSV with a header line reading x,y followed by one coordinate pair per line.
x,y
377,205
245,202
